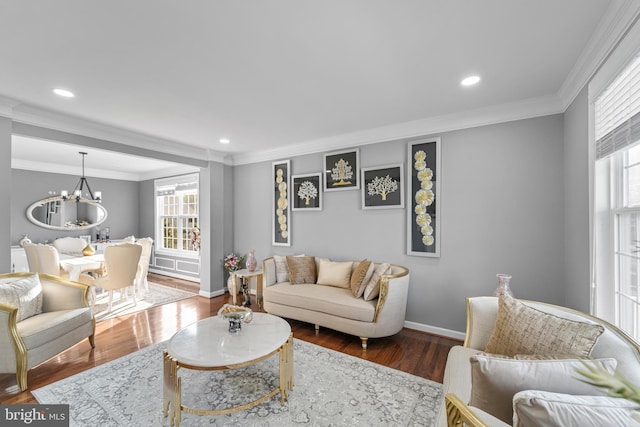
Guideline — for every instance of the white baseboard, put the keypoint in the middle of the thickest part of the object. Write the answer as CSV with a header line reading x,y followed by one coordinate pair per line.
x,y
211,294
173,274
435,330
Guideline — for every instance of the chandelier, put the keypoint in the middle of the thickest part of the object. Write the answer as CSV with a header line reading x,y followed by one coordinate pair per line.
x,y
77,191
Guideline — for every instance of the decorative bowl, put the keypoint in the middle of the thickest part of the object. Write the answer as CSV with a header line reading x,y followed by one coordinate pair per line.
x,y
236,316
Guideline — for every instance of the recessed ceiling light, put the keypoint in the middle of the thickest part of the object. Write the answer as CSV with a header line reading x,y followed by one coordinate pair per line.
x,y
224,141
470,81
63,92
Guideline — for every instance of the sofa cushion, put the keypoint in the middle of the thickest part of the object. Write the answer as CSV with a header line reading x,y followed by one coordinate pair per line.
x,y
302,269
325,299
38,330
358,275
494,381
520,329
334,273
372,289
25,293
533,408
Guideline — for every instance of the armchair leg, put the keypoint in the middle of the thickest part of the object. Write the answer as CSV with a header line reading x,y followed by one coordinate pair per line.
x,y
92,341
364,342
21,377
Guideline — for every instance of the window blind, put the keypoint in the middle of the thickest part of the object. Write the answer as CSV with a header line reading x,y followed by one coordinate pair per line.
x,y
617,112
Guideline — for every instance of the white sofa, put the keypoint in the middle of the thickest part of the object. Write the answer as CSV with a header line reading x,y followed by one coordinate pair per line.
x,y
40,316
337,308
481,318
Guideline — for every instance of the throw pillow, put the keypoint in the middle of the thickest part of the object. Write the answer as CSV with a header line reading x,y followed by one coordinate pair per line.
x,y
366,280
282,270
358,276
533,408
494,381
336,274
25,293
301,269
372,289
520,329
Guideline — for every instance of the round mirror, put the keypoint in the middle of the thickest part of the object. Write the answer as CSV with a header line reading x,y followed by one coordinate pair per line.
x,y
58,213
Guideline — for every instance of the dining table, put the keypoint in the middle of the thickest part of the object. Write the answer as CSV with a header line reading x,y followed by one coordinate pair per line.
x,y
76,265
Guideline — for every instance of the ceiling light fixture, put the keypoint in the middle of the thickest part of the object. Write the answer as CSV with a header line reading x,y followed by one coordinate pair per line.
x,y
77,192
470,81
224,141
63,92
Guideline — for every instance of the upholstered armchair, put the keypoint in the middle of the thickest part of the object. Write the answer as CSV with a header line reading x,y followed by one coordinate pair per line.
x,y
143,265
121,262
44,259
40,316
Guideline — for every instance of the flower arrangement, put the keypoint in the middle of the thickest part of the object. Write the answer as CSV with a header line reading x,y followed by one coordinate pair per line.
x,y
233,262
195,238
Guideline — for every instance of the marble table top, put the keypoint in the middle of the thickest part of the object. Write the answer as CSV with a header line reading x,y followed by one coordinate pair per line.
x,y
208,342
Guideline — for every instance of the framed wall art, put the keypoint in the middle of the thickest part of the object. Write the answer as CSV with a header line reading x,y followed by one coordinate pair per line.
x,y
423,182
306,192
342,170
383,187
281,223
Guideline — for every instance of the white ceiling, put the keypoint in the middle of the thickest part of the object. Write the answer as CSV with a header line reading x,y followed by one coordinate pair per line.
x,y
284,76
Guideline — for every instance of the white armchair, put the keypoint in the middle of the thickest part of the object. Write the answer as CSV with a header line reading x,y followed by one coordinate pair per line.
x,y
44,259
35,327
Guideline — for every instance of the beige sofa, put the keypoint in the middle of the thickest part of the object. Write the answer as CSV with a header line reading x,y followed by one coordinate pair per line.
x,y
337,308
40,316
481,318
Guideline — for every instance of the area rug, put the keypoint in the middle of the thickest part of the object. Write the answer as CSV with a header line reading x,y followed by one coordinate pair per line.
x,y
330,389
156,295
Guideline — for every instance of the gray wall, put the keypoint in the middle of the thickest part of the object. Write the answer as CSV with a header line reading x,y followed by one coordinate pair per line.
x,y
6,190
576,203
120,198
502,208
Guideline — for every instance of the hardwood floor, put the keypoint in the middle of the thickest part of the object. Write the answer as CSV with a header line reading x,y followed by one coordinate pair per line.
x,y
411,351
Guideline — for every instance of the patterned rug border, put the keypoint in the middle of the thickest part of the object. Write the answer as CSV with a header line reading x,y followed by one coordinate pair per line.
x,y
347,390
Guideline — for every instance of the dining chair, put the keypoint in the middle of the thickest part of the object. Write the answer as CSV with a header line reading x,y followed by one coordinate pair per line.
x,y
121,264
143,265
44,259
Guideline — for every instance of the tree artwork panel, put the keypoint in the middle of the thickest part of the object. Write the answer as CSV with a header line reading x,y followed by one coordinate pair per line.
x,y
383,187
281,209
342,170
423,162
306,193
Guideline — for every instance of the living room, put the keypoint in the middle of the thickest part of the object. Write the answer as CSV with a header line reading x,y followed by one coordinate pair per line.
x,y
515,175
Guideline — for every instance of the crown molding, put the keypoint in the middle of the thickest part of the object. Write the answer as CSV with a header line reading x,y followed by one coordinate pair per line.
x,y
529,108
101,173
614,26
28,114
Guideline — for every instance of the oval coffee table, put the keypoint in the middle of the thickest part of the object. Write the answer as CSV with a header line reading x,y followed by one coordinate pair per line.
x,y
208,345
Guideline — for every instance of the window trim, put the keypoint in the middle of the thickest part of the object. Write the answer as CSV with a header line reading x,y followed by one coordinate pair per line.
x,y
167,182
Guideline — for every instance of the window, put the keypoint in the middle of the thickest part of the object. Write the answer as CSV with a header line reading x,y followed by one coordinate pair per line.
x,y
177,215
617,200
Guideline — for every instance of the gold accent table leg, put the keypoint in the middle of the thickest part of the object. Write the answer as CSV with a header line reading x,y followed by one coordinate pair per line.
x,y
234,292
286,369
259,289
171,390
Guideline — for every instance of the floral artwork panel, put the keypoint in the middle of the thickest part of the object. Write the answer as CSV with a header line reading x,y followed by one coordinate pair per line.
x,y
383,187
281,209
306,192
342,170
423,215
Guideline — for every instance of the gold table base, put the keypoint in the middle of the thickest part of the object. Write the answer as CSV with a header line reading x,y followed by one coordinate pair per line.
x,y
172,386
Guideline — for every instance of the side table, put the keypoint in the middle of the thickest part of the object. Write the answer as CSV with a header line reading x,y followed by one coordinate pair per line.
x,y
243,277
